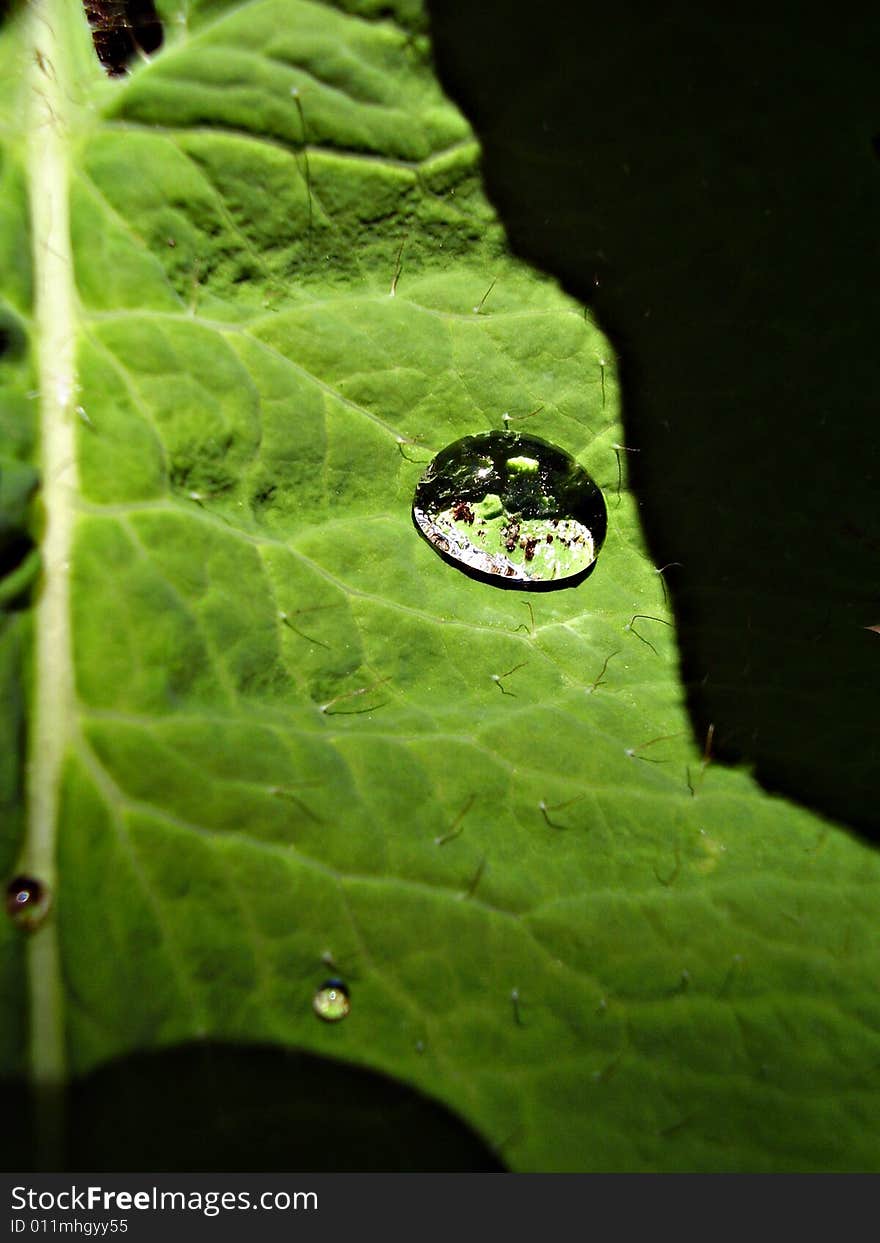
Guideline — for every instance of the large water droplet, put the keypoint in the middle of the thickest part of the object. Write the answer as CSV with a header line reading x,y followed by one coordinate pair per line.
x,y
27,901
512,510
331,1002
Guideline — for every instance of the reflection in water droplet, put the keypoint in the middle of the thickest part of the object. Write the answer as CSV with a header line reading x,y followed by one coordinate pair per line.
x,y
511,509
331,1002
27,901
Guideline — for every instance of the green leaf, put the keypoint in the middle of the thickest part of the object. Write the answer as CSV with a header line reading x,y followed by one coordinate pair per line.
x,y
273,736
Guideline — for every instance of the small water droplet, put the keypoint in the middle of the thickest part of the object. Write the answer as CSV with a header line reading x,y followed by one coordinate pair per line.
x,y
27,901
331,1002
512,510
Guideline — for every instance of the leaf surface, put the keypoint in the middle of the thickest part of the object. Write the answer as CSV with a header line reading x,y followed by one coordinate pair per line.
x,y
295,741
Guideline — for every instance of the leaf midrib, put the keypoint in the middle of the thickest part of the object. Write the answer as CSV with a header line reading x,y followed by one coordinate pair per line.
x,y
49,121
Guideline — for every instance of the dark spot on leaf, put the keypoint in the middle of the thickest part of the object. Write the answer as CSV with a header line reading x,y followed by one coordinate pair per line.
x,y
27,901
20,892
121,29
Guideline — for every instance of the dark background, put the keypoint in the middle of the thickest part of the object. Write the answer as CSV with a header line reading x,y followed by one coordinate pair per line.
x,y
706,178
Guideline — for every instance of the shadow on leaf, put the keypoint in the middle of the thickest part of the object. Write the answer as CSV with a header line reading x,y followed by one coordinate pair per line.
x,y
222,1107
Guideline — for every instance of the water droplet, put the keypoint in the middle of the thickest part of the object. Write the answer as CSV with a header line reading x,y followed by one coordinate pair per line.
x,y
512,510
331,1002
27,901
